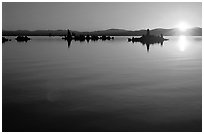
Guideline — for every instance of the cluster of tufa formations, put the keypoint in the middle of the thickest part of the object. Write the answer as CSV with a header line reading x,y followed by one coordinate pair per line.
x,y
4,39
148,39
73,36
22,38
18,39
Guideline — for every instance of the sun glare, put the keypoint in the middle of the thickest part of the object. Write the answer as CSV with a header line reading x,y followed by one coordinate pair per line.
x,y
183,26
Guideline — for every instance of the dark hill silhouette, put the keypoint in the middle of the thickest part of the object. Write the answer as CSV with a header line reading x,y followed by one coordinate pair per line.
x,y
197,31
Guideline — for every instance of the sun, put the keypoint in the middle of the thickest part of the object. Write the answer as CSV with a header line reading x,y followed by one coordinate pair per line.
x,y
183,26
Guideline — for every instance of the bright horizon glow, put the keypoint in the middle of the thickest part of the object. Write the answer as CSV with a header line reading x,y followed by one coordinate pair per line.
x,y
183,26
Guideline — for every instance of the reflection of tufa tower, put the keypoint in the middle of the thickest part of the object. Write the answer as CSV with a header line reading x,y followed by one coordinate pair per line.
x,y
148,32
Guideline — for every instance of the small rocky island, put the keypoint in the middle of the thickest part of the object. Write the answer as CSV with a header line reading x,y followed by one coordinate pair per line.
x,y
22,38
148,39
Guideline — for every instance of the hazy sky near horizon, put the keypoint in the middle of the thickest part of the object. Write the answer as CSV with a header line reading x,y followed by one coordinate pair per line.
x,y
99,16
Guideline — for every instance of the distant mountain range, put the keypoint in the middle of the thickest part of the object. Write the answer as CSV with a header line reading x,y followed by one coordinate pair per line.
x,y
197,31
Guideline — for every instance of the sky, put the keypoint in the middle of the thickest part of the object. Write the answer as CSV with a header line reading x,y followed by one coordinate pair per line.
x,y
99,16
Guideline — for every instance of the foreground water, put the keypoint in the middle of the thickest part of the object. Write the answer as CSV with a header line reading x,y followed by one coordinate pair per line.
x,y
102,86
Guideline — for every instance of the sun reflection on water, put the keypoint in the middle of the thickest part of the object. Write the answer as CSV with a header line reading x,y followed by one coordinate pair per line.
x,y
182,43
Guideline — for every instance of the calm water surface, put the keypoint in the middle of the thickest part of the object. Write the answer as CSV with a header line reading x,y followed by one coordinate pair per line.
x,y
102,86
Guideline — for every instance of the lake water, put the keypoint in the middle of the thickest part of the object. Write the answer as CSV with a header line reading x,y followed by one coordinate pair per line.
x,y
111,85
